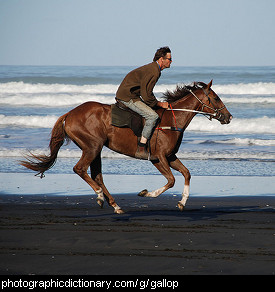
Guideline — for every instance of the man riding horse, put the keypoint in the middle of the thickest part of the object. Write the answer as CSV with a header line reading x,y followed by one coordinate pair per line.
x,y
89,126
136,92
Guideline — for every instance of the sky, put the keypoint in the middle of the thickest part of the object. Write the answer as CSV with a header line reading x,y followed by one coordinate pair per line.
x,y
128,32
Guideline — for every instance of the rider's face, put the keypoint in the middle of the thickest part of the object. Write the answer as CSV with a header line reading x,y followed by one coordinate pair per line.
x,y
166,61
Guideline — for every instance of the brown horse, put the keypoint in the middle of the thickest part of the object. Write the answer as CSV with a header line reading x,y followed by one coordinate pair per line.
x,y
89,127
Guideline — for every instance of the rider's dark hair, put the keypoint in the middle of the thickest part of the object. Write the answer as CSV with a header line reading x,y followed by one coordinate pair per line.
x,y
161,52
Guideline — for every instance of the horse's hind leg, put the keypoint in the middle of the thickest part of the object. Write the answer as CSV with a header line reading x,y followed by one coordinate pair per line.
x,y
81,168
176,164
96,174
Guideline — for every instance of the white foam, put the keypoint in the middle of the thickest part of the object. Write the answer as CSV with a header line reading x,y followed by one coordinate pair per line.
x,y
234,141
54,100
248,142
63,152
52,95
259,88
182,154
262,125
21,87
248,100
225,155
28,121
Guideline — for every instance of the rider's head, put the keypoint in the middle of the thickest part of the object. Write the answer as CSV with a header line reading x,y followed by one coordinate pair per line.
x,y
163,57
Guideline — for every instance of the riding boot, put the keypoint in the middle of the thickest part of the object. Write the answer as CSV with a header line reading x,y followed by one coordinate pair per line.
x,y
142,152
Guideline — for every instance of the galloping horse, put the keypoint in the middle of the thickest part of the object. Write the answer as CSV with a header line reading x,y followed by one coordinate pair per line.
x,y
89,127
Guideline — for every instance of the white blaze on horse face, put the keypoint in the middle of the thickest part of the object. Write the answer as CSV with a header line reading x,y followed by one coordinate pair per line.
x,y
156,193
185,194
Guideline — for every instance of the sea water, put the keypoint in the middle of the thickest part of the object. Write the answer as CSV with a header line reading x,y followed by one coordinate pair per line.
x,y
33,97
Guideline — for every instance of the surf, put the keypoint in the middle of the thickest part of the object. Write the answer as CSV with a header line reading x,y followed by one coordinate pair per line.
x,y
64,95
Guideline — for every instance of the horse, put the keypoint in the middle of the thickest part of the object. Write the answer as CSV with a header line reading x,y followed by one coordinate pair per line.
x,y
89,127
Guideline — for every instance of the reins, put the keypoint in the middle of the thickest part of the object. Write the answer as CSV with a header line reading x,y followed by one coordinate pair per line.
x,y
203,105
210,116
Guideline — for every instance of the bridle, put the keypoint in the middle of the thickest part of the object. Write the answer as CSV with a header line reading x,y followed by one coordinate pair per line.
x,y
210,116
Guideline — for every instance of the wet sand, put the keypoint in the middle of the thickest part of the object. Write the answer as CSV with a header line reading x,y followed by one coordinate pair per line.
x,y
71,235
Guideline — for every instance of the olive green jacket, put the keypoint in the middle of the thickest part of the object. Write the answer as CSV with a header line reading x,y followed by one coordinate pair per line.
x,y
140,83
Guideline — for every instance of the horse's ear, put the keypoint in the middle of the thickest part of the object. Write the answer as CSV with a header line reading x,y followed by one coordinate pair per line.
x,y
209,85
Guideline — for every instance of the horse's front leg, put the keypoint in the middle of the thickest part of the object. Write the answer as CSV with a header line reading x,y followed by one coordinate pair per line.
x,y
163,166
176,164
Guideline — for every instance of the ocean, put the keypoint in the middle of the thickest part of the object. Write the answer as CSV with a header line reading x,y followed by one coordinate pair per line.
x,y
33,97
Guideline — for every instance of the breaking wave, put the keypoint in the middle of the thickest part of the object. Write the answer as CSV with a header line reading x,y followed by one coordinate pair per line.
x,y
199,124
259,88
63,95
182,154
246,142
263,125
28,121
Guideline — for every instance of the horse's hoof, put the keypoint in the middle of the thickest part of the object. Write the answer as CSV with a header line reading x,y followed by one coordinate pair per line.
x,y
100,202
180,206
119,211
143,193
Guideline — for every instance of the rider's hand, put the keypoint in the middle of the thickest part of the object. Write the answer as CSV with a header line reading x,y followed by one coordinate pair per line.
x,y
163,104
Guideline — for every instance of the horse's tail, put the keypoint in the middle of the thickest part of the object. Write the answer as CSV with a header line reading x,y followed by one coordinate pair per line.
x,y
41,163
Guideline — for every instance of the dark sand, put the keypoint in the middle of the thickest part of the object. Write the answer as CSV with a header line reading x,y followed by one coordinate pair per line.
x,y
73,236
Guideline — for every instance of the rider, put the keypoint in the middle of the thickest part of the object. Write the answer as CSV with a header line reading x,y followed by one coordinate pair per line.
x,y
136,92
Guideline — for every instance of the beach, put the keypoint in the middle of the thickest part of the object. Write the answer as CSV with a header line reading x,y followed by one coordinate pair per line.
x,y
53,226
64,232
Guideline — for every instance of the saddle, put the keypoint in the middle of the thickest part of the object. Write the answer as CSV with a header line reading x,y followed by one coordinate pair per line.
x,y
123,117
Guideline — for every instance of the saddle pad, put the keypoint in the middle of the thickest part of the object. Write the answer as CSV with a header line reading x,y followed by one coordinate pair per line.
x,y
124,119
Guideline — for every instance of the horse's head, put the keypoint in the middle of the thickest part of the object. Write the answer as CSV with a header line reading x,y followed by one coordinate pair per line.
x,y
212,104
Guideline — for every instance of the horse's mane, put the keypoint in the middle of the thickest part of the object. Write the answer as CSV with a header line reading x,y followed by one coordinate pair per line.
x,y
181,91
